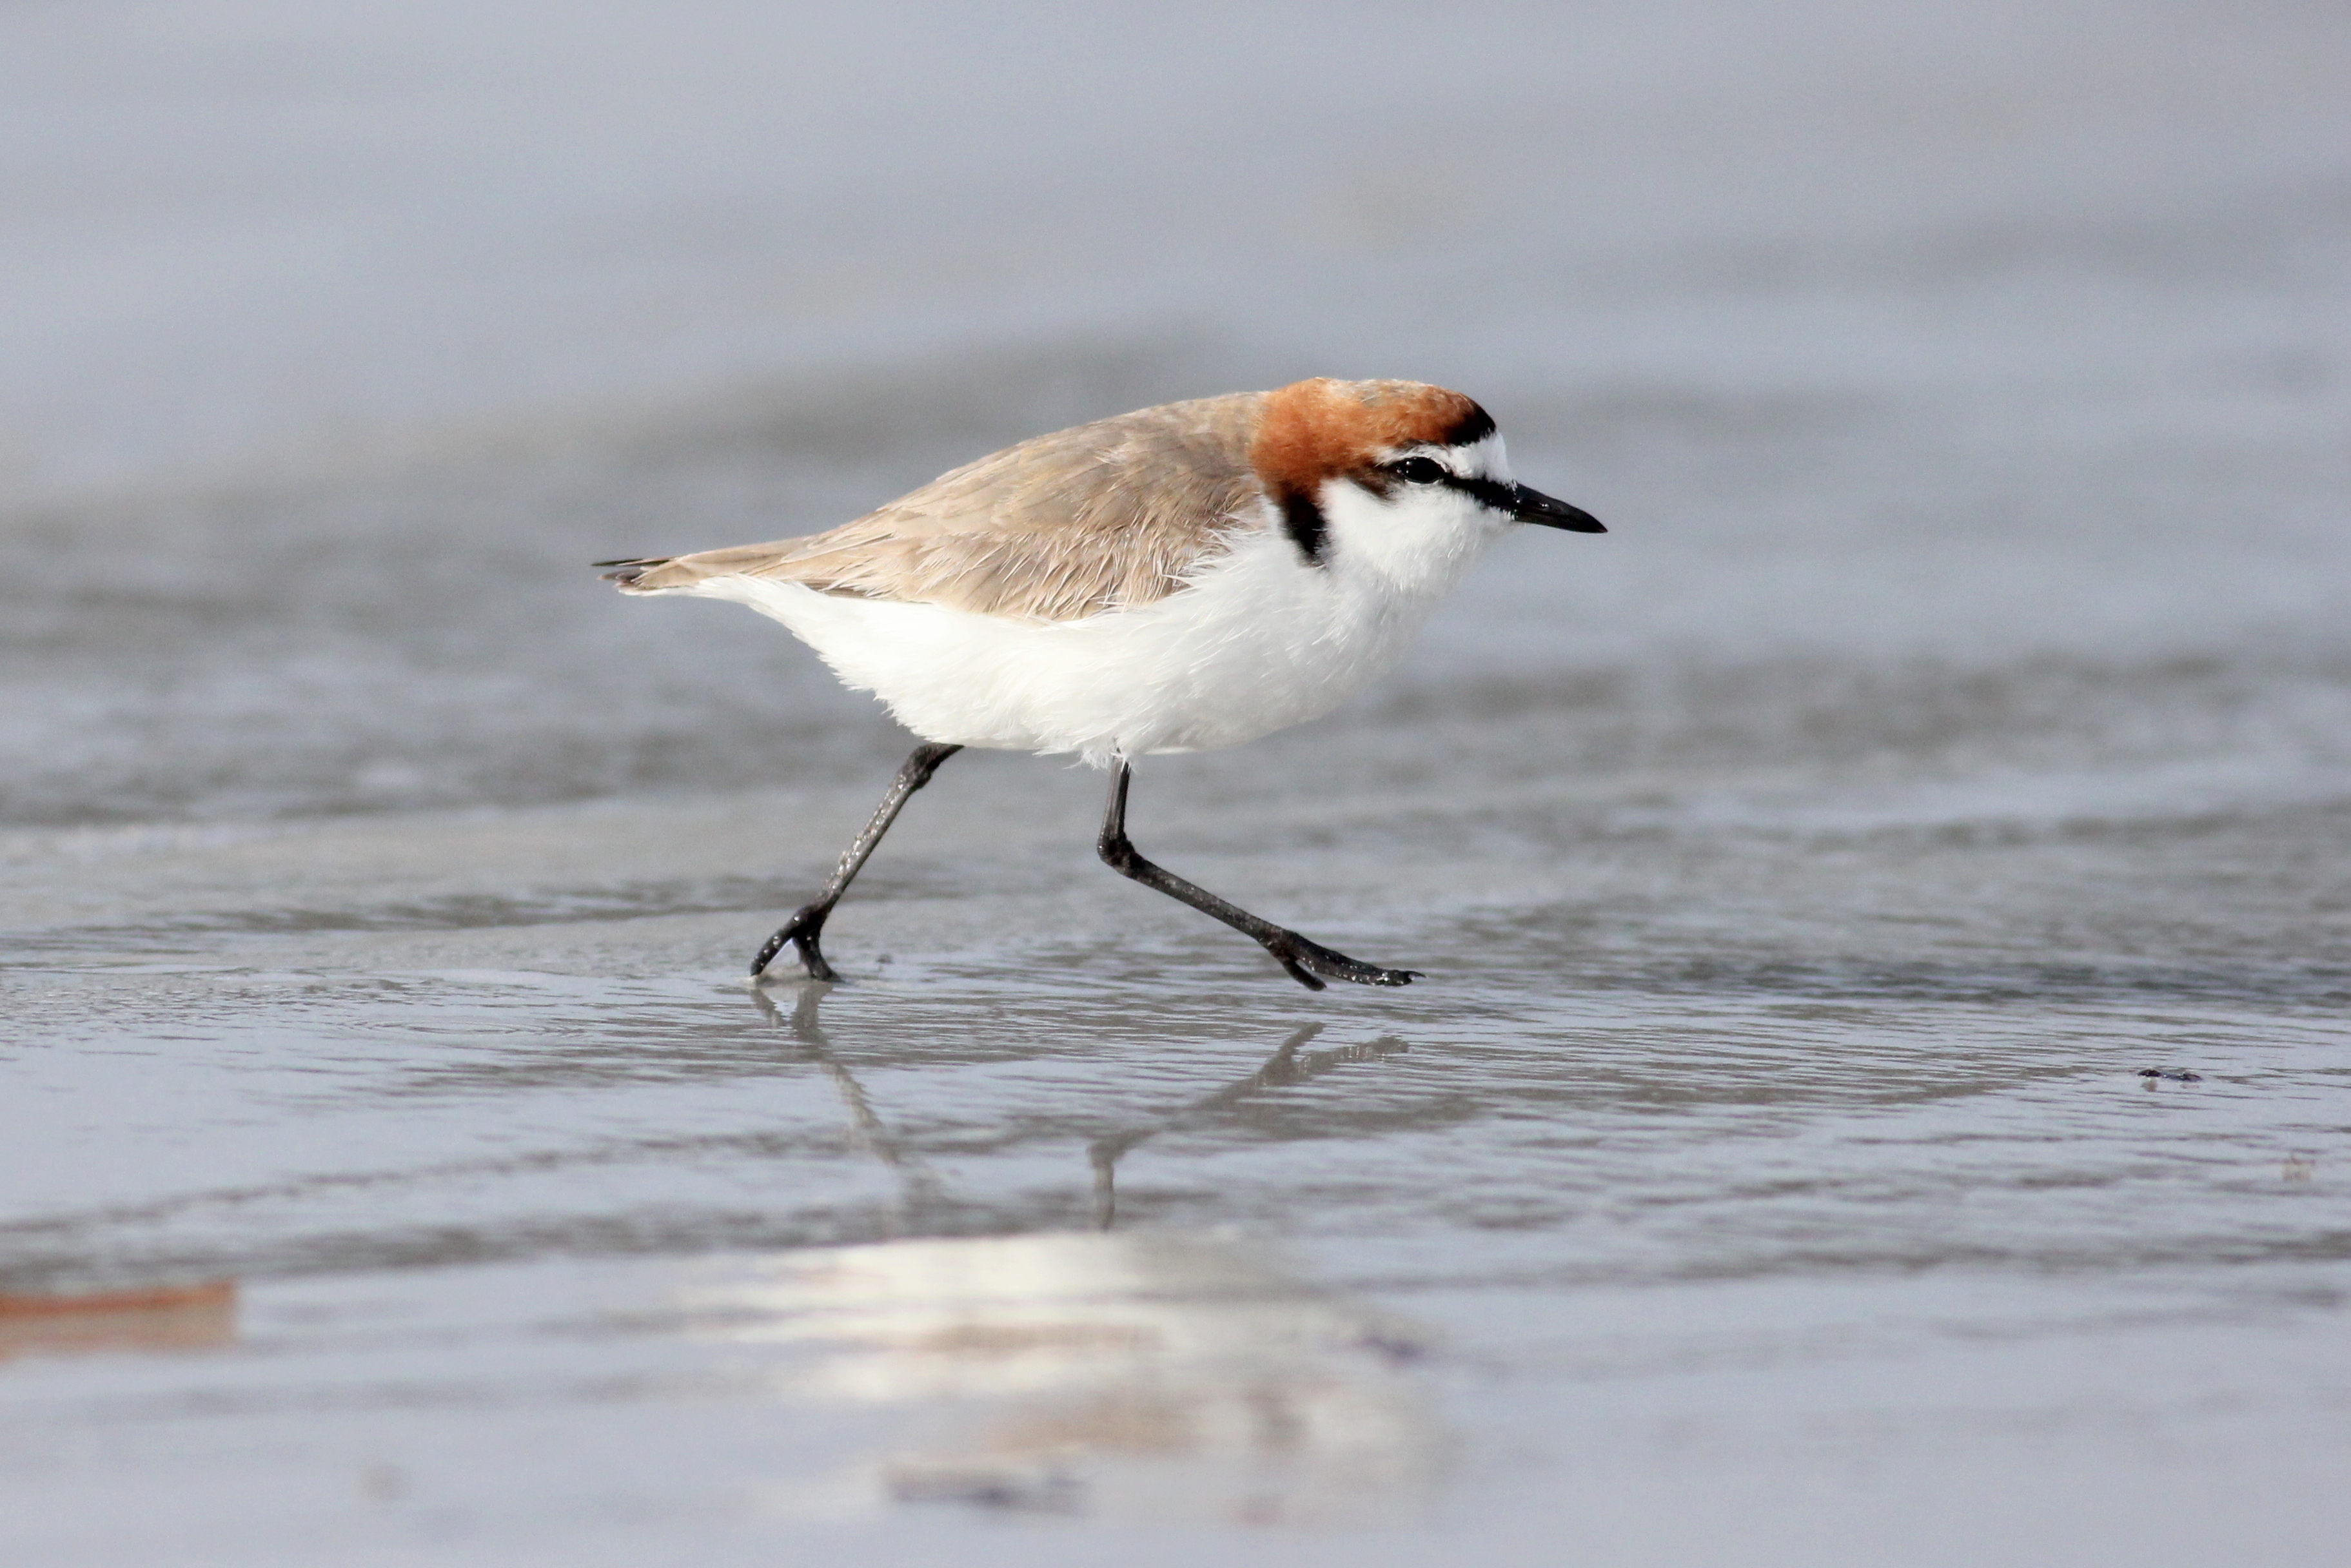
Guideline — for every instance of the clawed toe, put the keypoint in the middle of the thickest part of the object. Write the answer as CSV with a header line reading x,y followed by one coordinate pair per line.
x,y
1311,963
801,931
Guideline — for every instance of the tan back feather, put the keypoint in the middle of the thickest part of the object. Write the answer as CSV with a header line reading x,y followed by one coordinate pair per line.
x,y
1101,517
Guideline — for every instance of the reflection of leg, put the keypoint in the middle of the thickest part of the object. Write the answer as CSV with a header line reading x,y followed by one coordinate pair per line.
x,y
1104,1155
1303,961
805,1025
807,924
873,1135
1280,1070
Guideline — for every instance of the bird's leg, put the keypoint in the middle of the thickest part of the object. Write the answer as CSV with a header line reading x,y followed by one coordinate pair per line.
x,y
807,924
1308,963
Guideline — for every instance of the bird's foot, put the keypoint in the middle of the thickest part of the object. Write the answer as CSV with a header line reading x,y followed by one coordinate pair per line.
x,y
802,931
1311,963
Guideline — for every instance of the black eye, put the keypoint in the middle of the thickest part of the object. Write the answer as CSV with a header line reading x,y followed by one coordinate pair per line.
x,y
1417,470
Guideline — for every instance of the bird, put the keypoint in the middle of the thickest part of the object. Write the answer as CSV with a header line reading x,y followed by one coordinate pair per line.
x,y
1181,577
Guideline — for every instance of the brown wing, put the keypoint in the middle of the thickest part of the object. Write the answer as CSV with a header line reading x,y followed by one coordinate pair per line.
x,y
1101,517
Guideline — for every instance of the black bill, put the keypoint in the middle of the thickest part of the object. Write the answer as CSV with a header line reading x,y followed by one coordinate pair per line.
x,y
1533,507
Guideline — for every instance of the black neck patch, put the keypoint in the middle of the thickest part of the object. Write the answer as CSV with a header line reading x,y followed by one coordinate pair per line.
x,y
1302,520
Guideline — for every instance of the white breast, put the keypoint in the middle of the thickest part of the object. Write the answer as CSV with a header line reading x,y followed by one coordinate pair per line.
x,y
1260,640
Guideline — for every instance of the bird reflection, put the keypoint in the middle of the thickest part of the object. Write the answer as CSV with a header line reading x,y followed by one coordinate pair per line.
x,y
1282,1070
1152,1373
919,1186
1290,1065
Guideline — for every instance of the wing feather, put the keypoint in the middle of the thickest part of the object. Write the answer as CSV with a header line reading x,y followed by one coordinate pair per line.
x,y
1102,516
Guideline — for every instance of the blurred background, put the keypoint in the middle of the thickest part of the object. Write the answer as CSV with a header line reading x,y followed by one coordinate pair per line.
x,y
1947,372
1815,877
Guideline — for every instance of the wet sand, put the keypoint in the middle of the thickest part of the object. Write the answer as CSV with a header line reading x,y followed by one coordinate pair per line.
x,y
1719,1173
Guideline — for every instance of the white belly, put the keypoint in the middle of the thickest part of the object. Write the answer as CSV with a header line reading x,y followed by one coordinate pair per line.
x,y
1258,641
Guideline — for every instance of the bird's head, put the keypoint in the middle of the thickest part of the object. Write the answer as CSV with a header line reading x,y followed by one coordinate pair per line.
x,y
1401,475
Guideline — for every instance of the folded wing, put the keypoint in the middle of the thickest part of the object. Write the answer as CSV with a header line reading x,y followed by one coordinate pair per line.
x,y
1104,517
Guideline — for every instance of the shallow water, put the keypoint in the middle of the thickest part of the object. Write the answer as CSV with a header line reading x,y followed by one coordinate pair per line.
x,y
1807,876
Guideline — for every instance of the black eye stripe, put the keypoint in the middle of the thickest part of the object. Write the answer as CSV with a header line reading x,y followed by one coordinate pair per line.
x,y
1485,492
1428,471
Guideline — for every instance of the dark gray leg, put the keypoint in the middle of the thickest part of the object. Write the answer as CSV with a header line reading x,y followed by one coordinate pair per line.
x,y
1303,961
807,923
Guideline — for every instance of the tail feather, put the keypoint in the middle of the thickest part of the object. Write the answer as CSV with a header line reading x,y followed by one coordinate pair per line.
x,y
651,574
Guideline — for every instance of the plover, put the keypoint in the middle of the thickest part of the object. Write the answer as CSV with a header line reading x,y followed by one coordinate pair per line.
x,y
1176,578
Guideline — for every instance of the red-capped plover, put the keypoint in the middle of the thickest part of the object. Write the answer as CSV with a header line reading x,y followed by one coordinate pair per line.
x,y
1180,578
